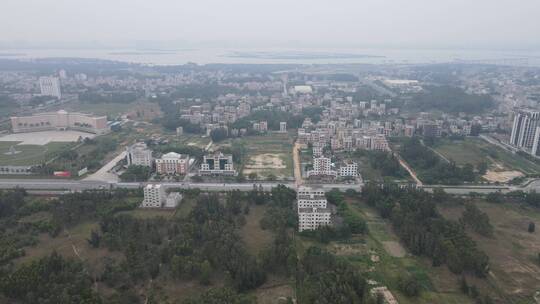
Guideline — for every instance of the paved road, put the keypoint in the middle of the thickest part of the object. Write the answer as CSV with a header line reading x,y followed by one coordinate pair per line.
x,y
103,174
45,186
79,185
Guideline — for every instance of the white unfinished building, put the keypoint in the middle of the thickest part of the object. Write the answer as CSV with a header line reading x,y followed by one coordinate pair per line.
x,y
312,209
322,166
139,155
348,170
155,196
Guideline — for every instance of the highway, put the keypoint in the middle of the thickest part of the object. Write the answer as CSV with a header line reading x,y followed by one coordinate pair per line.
x,y
48,185
80,185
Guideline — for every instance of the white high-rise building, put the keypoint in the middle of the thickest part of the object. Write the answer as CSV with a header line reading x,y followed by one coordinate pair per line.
x,y
283,126
50,86
524,128
154,196
536,143
139,155
312,209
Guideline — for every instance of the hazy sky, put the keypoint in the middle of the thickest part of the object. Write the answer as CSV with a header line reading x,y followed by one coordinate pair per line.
x,y
511,24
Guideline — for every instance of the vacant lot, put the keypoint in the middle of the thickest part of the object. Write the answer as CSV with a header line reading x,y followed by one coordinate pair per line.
x,y
476,150
27,155
268,155
512,250
109,109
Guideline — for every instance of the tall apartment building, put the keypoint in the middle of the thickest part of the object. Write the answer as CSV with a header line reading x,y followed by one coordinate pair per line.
x,y
313,211
217,164
172,163
535,150
50,86
524,128
139,155
283,126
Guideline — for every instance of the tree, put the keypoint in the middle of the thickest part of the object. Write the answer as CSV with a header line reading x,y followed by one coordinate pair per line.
x,y
476,219
463,285
494,197
409,285
482,167
219,134
94,239
531,227
252,176
206,270
135,173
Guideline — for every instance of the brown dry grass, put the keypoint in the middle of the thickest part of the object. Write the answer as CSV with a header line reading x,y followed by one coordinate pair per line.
x,y
512,250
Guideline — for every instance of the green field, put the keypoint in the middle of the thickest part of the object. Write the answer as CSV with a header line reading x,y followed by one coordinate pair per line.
x,y
476,150
30,154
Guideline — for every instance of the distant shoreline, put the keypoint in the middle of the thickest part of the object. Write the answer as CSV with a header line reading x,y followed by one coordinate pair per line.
x,y
12,54
302,55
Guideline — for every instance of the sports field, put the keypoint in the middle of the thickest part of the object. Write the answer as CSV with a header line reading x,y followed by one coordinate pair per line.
x,y
27,155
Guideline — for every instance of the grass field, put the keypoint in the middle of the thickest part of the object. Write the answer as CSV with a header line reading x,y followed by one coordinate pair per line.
x,y
30,154
515,271
476,150
252,234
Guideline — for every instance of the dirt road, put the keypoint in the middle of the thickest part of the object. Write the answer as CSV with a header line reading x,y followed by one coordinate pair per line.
x,y
296,160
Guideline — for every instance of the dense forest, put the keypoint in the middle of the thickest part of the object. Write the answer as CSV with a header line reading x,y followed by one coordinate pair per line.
x,y
451,99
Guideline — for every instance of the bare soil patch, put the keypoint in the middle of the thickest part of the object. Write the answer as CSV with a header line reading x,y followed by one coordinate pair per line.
x,y
394,249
